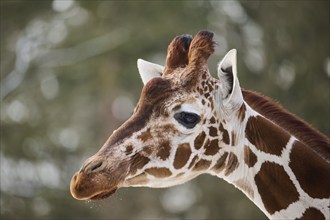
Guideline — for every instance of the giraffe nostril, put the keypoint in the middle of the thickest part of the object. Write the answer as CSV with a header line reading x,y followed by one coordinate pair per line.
x,y
92,167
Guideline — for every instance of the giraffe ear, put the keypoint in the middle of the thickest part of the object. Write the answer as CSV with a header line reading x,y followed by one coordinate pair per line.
x,y
230,90
149,70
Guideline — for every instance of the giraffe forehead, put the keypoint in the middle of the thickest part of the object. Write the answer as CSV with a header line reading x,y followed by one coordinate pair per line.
x,y
167,91
158,98
156,90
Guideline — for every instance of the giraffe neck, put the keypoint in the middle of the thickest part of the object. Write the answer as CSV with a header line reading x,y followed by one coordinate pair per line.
x,y
279,173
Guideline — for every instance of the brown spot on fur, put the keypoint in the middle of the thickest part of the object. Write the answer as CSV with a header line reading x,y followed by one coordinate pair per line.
x,y
199,140
212,104
249,157
301,130
225,135
146,135
201,92
232,164
202,165
129,150
241,112
206,95
212,120
138,161
266,136
148,150
210,86
164,150
192,163
233,138
245,186
304,163
275,187
312,213
212,148
220,165
182,155
213,131
169,129
159,172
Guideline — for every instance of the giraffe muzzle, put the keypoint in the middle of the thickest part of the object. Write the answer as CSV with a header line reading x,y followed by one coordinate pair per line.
x,y
97,180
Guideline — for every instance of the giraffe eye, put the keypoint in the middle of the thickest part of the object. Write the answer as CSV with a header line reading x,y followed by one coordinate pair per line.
x,y
187,119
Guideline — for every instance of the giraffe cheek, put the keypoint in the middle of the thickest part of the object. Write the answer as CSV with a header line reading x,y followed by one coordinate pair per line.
x,y
138,161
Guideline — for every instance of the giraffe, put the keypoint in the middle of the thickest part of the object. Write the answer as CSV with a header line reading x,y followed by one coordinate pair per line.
x,y
187,123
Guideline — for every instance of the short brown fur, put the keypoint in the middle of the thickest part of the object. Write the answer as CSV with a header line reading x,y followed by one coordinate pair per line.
x,y
304,162
312,214
159,172
199,140
182,155
241,113
212,148
249,157
225,135
146,135
202,165
266,136
164,150
220,165
232,164
275,187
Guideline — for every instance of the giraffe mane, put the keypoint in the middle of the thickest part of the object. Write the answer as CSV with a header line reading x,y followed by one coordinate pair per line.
x,y
294,125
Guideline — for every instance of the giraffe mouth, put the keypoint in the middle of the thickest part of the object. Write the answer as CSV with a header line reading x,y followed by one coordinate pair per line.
x,y
103,195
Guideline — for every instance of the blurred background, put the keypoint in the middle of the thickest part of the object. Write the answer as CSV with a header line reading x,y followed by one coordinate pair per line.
x,y
69,78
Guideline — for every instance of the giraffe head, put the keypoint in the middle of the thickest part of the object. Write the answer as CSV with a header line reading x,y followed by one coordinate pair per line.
x,y
177,128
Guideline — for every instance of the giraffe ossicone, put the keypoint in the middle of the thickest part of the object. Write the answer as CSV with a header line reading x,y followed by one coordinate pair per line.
x,y
187,123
